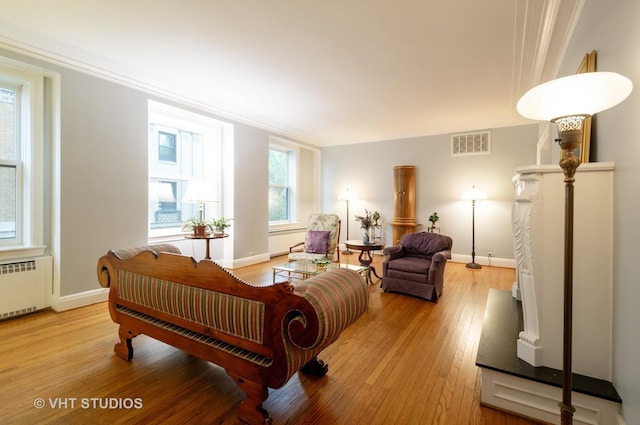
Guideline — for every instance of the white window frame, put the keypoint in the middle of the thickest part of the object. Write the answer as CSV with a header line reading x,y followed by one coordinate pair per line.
x,y
30,178
293,151
213,133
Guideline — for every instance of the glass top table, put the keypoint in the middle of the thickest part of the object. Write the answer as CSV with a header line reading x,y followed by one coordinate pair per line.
x,y
307,268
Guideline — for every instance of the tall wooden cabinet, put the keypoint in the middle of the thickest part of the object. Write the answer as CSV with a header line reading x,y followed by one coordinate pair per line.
x,y
404,197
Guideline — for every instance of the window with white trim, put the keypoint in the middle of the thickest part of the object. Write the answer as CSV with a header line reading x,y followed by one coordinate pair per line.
x,y
10,169
182,146
21,163
283,177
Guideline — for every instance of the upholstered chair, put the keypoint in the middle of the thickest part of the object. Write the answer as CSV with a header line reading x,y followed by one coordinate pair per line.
x,y
416,265
321,239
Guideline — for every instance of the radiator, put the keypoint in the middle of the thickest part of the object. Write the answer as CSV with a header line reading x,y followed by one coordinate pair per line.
x,y
24,285
279,243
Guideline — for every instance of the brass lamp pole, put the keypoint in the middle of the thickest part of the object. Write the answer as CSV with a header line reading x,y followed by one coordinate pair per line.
x,y
347,197
473,195
567,102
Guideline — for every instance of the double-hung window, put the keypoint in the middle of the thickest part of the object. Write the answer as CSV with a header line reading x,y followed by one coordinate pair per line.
x,y
21,159
10,165
283,166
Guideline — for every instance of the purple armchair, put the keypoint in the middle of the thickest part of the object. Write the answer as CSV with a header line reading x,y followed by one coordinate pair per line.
x,y
416,265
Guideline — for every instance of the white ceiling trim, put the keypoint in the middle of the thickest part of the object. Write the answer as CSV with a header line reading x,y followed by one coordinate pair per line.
x,y
41,48
319,76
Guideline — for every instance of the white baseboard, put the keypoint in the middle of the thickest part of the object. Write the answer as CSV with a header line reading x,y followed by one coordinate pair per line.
x,y
485,261
81,299
243,262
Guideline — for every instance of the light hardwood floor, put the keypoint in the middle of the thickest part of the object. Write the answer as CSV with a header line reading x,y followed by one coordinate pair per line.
x,y
406,361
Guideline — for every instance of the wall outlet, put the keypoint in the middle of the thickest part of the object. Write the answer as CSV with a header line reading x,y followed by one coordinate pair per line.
x,y
491,254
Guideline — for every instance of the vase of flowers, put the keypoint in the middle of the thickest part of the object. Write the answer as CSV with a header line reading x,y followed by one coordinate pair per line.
x,y
366,223
433,218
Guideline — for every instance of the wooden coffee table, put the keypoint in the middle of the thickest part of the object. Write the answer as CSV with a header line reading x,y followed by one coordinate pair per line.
x,y
365,254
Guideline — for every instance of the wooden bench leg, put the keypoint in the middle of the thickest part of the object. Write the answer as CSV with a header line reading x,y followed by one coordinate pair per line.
x,y
250,409
315,367
124,349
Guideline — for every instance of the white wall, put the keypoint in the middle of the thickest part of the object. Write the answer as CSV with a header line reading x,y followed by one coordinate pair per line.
x,y
367,169
611,28
99,182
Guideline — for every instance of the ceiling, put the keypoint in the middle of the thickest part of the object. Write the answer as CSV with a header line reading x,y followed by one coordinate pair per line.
x,y
325,72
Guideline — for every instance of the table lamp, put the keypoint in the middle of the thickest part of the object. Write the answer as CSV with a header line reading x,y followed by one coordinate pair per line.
x,y
200,190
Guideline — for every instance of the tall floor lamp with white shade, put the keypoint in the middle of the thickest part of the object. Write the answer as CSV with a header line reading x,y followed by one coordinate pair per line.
x,y
347,196
567,102
473,195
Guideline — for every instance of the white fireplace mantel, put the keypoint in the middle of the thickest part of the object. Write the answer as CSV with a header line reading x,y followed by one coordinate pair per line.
x,y
538,235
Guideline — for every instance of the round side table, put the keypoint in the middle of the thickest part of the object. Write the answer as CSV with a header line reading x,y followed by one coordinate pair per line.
x,y
365,254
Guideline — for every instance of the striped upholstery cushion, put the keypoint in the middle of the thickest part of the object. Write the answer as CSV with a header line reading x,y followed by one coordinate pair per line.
x,y
126,253
233,315
339,298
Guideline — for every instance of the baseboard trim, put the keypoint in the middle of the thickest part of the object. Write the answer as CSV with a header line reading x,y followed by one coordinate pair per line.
x,y
243,262
69,302
485,261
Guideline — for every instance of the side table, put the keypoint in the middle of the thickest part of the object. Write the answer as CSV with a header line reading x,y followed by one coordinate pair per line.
x,y
365,254
207,238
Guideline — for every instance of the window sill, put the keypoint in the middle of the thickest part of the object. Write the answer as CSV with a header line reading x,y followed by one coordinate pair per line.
x,y
286,228
166,238
21,252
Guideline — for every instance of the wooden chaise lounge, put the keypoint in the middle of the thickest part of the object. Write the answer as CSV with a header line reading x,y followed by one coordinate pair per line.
x,y
261,336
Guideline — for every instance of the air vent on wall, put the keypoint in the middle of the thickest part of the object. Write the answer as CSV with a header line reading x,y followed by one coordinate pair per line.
x,y
471,143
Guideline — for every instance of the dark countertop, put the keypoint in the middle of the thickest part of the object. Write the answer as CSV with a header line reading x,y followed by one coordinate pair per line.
x,y
497,350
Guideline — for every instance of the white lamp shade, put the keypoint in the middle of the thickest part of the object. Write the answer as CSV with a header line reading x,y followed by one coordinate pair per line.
x,y
347,196
580,94
200,190
473,195
162,192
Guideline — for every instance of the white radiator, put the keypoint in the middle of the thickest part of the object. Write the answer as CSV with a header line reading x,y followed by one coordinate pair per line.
x,y
24,285
279,243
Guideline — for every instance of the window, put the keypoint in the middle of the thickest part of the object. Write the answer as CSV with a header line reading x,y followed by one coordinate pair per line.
x,y
10,177
283,159
21,163
167,147
182,146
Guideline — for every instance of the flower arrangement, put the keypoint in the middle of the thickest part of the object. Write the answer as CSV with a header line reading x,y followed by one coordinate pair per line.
x,y
369,219
433,218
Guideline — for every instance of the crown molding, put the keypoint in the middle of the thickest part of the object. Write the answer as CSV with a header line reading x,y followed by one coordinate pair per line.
x,y
45,49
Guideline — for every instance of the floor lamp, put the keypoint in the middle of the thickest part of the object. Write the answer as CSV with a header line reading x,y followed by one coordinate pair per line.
x,y
347,197
567,102
473,195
